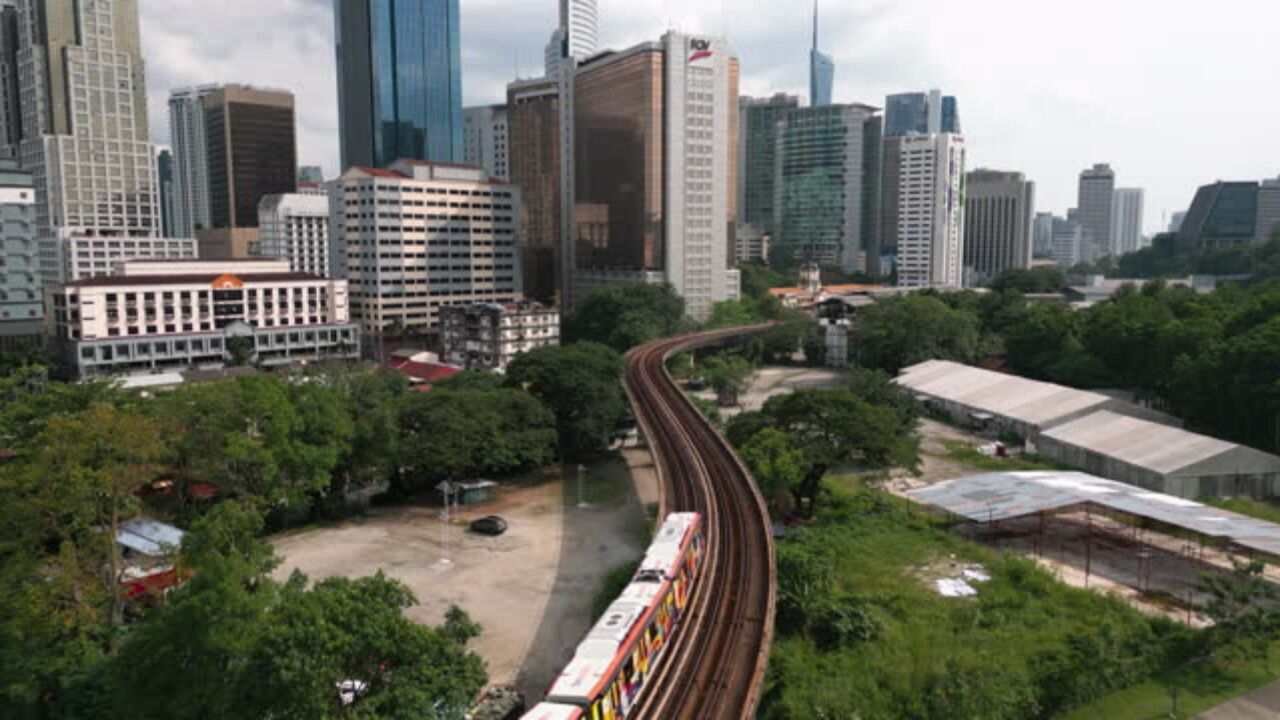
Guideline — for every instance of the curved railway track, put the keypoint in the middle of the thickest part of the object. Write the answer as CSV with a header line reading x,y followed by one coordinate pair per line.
x,y
715,667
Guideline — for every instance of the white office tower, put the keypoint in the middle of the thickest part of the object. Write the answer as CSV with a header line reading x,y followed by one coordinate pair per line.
x,y
295,227
85,137
484,140
190,160
576,37
418,236
1126,221
931,211
701,169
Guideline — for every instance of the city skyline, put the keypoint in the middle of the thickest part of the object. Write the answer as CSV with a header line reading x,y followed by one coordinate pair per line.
x,y
1040,85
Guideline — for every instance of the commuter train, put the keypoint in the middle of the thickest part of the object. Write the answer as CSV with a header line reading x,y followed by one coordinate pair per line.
x,y
617,658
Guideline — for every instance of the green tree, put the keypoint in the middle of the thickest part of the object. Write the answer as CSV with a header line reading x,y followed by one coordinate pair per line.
x,y
900,332
729,375
834,428
190,657
459,434
1243,607
581,383
355,630
624,316
61,608
778,467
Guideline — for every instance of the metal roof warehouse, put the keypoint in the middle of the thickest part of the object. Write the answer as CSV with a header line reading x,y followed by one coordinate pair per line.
x,y
995,497
1015,404
1162,458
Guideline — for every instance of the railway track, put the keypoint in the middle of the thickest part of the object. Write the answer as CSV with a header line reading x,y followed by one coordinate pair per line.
x,y
715,667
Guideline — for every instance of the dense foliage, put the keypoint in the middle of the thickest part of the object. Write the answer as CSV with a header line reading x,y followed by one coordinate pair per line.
x,y
626,315
1167,259
796,438
278,450
862,634
581,384
1208,358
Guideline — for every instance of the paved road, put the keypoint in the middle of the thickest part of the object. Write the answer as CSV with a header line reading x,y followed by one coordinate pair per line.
x,y
1261,704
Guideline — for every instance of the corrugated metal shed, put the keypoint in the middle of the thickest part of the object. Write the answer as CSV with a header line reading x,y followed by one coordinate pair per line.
x,y
149,537
1002,496
1033,403
1159,448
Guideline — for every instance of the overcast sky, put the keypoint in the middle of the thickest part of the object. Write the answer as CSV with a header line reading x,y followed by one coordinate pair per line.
x,y
1172,93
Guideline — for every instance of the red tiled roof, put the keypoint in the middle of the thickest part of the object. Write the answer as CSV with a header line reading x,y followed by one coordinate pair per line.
x,y
376,172
423,372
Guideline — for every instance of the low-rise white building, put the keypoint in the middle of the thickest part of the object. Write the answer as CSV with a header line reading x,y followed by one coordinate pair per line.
x,y
167,315
419,236
295,227
490,336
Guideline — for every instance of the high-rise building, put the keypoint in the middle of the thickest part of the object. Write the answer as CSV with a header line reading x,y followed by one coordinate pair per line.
x,y
822,69
655,148
1222,215
827,185
191,162
252,151
757,140
577,35
417,236
1069,242
930,237
1175,221
1268,211
750,245
310,175
1096,198
10,102
999,207
84,128
399,81
21,303
920,113
1042,235
534,132
164,176
295,227
485,140
1126,221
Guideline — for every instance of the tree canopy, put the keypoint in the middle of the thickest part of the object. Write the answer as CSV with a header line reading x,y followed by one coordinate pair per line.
x,y
582,385
624,316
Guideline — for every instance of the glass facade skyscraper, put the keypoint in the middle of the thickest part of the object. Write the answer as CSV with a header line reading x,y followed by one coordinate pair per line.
x,y
828,186
822,69
399,81
757,141
909,113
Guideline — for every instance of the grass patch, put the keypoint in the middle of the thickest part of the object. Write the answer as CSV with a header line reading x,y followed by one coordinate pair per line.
x,y
611,586
1199,689
967,454
1259,509
861,633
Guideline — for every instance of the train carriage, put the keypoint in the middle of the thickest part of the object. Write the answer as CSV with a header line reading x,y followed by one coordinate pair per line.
x,y
613,664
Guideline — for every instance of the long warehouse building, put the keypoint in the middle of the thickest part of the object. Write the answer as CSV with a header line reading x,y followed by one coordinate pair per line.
x,y
1161,458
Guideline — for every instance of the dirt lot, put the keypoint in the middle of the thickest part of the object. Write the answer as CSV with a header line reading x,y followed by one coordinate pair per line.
x,y
770,381
530,589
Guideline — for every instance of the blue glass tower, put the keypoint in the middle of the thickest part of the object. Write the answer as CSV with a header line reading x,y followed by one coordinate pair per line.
x,y
822,69
908,113
399,81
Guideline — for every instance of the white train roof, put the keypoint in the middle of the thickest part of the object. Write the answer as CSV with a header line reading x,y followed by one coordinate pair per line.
x,y
663,556
553,711
594,655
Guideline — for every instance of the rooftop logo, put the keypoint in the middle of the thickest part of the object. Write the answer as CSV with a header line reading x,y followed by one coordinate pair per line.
x,y
699,49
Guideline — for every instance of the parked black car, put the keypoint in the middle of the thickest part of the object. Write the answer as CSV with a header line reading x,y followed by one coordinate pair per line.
x,y
490,525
